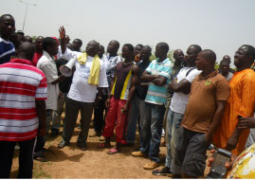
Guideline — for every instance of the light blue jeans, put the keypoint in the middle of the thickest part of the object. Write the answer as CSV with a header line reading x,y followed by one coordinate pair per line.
x,y
174,120
136,111
152,129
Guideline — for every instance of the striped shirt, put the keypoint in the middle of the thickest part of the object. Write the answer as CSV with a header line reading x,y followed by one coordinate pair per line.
x,y
158,94
7,50
20,85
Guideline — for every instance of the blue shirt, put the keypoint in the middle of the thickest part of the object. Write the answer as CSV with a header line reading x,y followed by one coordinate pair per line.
x,y
158,94
7,50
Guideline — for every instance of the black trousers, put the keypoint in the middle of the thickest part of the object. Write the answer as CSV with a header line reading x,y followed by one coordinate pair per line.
x,y
99,116
25,158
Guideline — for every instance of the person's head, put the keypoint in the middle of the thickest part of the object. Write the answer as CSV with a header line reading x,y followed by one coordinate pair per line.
x,y
26,51
101,51
205,60
178,56
50,45
113,47
191,54
146,53
244,56
7,26
92,48
69,46
162,49
224,66
67,39
227,58
138,49
27,39
128,51
77,43
38,44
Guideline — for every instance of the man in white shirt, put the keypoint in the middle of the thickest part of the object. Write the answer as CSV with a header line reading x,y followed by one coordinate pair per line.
x,y
181,87
82,94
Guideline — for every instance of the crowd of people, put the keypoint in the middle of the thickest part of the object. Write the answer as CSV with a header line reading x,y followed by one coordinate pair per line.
x,y
195,104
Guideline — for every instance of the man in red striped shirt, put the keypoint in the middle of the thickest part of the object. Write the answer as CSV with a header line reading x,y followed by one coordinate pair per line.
x,y
23,90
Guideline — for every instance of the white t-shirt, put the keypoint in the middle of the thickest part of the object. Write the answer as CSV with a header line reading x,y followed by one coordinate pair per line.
x,y
179,99
69,54
80,89
48,66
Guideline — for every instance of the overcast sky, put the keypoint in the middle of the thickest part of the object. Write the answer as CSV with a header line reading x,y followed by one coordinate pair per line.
x,y
220,25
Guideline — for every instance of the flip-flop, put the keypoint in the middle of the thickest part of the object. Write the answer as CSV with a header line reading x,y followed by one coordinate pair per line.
x,y
40,158
112,151
103,145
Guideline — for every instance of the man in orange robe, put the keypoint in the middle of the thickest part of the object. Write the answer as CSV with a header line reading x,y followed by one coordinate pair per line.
x,y
241,103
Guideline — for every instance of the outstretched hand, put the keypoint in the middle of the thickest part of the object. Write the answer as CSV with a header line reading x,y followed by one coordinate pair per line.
x,y
62,32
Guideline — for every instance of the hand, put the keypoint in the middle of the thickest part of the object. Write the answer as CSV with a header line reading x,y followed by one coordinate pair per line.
x,y
246,123
107,103
60,95
124,109
231,144
42,132
62,32
135,80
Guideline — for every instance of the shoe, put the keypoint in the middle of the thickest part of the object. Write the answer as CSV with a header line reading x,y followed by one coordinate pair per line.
x,y
94,134
82,147
151,165
78,126
162,172
62,144
54,132
138,154
102,138
40,158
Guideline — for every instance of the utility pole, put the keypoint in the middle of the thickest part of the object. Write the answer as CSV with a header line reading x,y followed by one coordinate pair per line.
x,y
27,4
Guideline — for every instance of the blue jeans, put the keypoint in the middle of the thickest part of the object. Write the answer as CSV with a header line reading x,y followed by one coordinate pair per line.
x,y
152,129
174,120
136,111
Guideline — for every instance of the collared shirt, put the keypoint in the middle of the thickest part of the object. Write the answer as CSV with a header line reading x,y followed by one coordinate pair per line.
x,y
110,65
21,84
7,50
204,94
48,66
158,94
80,89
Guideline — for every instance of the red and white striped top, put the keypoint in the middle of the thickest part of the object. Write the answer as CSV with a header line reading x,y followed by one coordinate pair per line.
x,y
20,85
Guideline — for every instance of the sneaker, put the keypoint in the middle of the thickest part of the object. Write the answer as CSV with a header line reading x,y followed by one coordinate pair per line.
x,y
151,165
102,138
83,147
138,154
62,144
162,172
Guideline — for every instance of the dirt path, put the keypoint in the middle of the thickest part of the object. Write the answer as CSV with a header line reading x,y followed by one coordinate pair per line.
x,y
72,163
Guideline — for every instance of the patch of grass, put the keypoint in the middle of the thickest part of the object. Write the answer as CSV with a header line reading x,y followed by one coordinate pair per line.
x,y
38,172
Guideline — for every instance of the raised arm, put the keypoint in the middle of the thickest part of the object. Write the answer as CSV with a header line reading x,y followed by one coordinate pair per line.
x,y
62,34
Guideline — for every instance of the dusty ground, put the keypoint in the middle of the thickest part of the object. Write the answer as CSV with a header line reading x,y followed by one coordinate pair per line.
x,y
73,163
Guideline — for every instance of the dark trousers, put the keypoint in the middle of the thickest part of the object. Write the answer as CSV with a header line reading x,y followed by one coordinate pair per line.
x,y
72,110
99,114
25,158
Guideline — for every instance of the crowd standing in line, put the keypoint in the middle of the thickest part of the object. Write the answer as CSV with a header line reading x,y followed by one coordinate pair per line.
x,y
199,104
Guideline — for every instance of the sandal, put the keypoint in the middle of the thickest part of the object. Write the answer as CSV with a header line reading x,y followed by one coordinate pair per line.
x,y
40,158
113,151
104,145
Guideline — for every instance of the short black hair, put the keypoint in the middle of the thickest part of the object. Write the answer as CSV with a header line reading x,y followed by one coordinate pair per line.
x,y
1,18
79,41
197,48
224,61
251,50
147,47
209,55
130,47
117,44
48,42
140,45
164,46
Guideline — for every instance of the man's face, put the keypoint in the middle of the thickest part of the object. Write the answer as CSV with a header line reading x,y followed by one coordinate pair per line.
x,y
159,52
240,56
38,43
201,62
191,55
92,48
101,51
7,26
179,56
138,50
125,52
76,45
111,48
145,54
224,67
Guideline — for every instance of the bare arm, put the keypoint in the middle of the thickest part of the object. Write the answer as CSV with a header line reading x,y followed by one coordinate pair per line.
x,y
41,113
62,34
156,79
59,79
183,86
216,120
